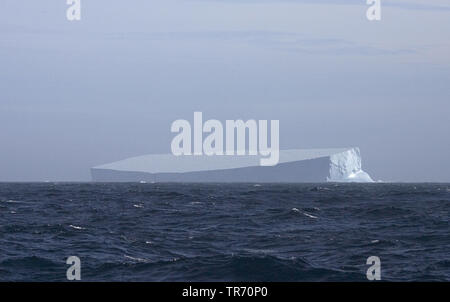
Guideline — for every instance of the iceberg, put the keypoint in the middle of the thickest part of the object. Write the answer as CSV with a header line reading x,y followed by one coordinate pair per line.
x,y
346,167
299,165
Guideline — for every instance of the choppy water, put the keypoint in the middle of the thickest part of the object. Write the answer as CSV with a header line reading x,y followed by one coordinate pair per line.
x,y
224,232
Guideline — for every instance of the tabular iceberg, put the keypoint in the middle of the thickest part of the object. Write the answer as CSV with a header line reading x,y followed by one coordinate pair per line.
x,y
302,165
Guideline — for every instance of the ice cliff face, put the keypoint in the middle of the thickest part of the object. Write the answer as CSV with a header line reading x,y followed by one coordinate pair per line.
x,y
296,166
346,167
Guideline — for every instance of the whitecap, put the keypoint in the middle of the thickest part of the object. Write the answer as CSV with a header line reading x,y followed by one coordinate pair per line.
x,y
260,251
12,201
138,206
304,213
375,241
135,259
76,227
309,215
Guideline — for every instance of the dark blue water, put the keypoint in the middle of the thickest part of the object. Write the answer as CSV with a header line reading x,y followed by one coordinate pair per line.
x,y
224,232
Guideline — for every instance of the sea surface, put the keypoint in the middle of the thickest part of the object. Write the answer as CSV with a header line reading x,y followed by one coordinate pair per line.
x,y
224,232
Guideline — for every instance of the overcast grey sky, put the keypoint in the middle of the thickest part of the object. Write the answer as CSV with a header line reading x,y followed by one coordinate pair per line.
x,y
78,94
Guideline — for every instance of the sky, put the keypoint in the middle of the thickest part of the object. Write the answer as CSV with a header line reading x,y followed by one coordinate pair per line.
x,y
78,94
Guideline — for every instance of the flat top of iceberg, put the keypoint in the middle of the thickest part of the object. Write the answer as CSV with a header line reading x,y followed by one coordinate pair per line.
x,y
168,163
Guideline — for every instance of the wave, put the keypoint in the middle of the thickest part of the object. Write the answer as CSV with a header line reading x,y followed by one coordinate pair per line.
x,y
224,268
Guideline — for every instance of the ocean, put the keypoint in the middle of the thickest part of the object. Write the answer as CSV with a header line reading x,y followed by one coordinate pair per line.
x,y
224,232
